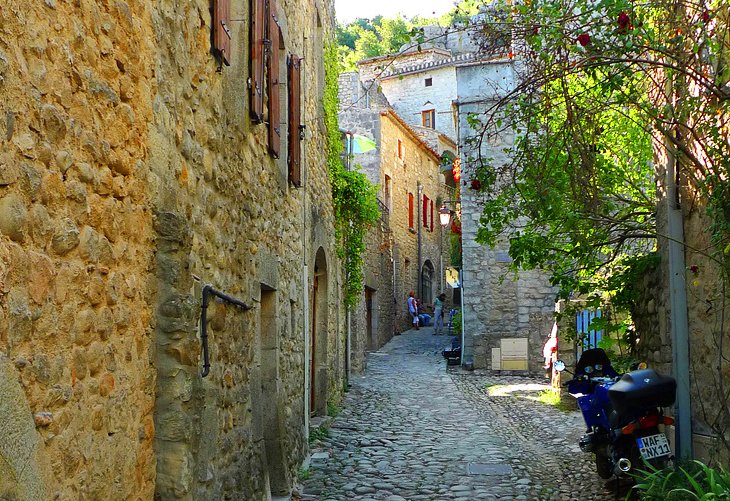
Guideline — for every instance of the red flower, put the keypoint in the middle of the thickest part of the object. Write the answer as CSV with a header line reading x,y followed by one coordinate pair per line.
x,y
584,39
624,22
705,17
476,184
694,269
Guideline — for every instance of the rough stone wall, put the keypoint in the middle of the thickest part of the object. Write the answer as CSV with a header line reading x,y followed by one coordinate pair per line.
x,y
419,167
76,246
364,122
225,213
378,281
497,303
409,97
130,174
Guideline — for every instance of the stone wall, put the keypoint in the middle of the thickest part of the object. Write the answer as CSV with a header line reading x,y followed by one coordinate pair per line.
x,y
409,97
131,175
374,318
417,173
76,248
497,303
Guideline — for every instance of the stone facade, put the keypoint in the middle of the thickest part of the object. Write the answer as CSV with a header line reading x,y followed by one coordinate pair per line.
x,y
130,176
421,248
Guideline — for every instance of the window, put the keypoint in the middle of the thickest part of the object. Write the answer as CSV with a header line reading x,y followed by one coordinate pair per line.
x,y
428,118
388,194
429,82
221,31
401,149
425,211
294,122
410,210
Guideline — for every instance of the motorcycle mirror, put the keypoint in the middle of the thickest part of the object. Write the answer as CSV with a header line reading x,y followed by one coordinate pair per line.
x,y
559,366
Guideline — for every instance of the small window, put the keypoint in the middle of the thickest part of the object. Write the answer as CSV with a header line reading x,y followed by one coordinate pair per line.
x,y
429,82
410,210
428,118
401,149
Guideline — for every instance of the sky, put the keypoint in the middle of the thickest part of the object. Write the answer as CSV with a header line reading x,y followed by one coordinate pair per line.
x,y
349,10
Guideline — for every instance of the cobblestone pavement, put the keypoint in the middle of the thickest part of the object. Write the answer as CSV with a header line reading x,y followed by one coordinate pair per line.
x,y
413,429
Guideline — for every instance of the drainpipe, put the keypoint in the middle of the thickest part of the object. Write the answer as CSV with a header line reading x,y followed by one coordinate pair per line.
x,y
678,314
348,349
419,190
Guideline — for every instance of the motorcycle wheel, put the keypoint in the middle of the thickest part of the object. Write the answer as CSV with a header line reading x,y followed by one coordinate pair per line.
x,y
604,468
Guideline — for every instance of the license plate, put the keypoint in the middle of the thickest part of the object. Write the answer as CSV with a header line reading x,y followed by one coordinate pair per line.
x,y
653,446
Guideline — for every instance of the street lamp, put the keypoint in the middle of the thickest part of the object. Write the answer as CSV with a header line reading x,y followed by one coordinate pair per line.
x,y
444,215
445,220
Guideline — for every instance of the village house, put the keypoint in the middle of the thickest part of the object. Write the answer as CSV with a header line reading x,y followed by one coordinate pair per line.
x,y
439,84
409,250
170,293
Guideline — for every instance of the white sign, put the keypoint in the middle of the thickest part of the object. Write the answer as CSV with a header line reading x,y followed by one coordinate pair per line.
x,y
452,278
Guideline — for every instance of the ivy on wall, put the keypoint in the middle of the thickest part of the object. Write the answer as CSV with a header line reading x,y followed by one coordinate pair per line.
x,y
354,196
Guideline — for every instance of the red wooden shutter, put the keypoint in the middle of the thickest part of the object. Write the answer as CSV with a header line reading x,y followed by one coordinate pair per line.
x,y
410,210
431,215
273,83
221,29
425,211
295,152
258,33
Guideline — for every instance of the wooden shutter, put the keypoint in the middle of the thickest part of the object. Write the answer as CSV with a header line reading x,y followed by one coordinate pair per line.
x,y
221,29
410,210
258,52
431,221
425,211
273,83
294,122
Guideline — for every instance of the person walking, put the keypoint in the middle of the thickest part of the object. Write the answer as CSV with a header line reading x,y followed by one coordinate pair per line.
x,y
413,309
438,314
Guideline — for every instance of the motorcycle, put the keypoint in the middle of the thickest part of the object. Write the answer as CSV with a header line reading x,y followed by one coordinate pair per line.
x,y
623,414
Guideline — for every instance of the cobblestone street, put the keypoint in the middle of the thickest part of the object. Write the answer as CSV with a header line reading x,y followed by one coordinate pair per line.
x,y
413,429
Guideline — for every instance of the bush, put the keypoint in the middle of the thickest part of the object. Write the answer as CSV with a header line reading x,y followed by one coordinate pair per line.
x,y
694,481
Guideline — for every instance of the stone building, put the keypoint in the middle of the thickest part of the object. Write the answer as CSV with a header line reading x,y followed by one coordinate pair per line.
x,y
136,167
506,319
409,250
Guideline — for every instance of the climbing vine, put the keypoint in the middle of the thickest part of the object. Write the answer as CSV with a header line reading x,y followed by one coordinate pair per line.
x,y
354,196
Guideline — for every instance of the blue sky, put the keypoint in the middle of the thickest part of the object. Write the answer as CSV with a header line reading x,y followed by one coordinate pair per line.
x,y
348,10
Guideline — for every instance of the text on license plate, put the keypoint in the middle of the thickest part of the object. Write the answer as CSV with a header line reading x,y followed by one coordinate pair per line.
x,y
653,446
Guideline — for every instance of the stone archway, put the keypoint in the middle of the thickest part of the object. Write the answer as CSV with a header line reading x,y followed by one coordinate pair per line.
x,y
318,359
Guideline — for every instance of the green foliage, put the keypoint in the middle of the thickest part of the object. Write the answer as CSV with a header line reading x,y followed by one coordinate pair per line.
x,y
455,251
694,481
318,434
333,408
551,397
303,474
456,323
365,38
354,197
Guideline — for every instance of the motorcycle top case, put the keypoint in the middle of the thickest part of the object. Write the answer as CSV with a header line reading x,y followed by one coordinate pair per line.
x,y
642,389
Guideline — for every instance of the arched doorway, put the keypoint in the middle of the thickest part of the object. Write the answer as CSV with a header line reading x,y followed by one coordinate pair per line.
x,y
427,274
318,338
